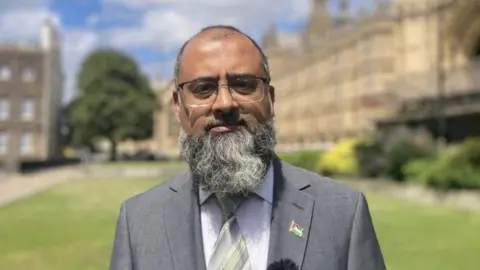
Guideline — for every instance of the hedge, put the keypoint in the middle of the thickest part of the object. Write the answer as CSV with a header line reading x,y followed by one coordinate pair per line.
x,y
408,156
457,167
306,159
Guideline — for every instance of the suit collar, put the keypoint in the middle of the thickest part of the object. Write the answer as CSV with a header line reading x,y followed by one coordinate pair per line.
x,y
292,206
183,225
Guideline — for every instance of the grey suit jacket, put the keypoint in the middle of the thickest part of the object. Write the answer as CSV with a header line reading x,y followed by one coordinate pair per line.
x,y
161,230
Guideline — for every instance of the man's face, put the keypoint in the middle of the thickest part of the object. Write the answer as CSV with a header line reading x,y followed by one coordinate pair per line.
x,y
218,60
227,137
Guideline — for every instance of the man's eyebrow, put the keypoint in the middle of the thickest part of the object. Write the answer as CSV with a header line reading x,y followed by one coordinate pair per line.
x,y
241,75
216,78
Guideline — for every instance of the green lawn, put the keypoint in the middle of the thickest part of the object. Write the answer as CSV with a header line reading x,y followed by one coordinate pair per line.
x,y
72,226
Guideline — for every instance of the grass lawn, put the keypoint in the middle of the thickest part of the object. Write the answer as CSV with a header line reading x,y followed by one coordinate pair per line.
x,y
72,226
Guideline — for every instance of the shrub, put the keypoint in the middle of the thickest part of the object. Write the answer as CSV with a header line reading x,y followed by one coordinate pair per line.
x,y
419,170
455,168
403,145
341,159
468,153
370,158
306,159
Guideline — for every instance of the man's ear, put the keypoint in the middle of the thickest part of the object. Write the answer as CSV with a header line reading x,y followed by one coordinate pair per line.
x,y
176,104
271,93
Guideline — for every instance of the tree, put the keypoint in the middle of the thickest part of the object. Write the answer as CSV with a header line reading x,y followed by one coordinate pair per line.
x,y
115,101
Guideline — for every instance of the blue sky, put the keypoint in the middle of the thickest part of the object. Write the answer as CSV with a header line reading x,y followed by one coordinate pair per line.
x,y
150,30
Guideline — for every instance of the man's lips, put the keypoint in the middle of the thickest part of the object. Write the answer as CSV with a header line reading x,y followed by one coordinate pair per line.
x,y
223,128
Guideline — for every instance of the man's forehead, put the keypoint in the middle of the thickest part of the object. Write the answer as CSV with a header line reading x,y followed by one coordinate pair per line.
x,y
219,48
216,39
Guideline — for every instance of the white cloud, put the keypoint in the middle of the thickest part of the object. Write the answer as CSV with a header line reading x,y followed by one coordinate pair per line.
x,y
160,29
138,3
164,27
162,69
20,19
76,45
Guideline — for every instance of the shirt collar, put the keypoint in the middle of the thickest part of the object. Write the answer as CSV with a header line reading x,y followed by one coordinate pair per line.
x,y
264,191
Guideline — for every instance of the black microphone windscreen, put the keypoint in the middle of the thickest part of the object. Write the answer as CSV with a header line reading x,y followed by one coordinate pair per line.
x,y
283,264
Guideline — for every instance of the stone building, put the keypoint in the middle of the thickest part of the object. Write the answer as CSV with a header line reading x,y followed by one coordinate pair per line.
x,y
30,100
350,71
353,71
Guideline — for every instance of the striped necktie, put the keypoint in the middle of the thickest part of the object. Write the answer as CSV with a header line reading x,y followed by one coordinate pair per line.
x,y
230,250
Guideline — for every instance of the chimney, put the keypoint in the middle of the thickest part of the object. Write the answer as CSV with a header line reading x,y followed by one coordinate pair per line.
x,y
48,36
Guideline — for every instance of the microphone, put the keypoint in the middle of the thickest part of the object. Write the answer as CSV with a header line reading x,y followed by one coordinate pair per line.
x,y
283,264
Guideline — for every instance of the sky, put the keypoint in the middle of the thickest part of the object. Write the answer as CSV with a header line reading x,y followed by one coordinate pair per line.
x,y
151,31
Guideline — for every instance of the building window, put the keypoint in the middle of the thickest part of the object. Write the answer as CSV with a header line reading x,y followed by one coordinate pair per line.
x,y
4,109
3,142
26,143
28,75
5,73
28,110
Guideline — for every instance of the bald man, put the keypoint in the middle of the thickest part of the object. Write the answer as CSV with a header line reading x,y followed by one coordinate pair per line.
x,y
239,206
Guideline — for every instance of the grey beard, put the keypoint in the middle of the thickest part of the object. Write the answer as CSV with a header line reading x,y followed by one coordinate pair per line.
x,y
232,163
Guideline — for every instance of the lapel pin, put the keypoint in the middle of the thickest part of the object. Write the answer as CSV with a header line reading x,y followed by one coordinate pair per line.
x,y
295,229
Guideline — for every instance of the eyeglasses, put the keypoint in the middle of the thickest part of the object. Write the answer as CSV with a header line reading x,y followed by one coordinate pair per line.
x,y
203,92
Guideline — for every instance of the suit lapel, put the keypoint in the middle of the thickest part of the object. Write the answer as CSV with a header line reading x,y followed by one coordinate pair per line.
x,y
183,226
291,205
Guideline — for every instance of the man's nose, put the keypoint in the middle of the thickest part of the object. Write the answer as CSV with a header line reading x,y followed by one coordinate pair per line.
x,y
224,101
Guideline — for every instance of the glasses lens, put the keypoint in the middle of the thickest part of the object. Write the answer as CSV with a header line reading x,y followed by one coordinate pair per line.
x,y
248,90
200,93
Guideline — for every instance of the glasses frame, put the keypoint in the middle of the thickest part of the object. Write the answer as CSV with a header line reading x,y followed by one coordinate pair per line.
x,y
179,88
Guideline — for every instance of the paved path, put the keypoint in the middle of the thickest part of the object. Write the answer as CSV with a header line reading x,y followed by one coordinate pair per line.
x,y
20,186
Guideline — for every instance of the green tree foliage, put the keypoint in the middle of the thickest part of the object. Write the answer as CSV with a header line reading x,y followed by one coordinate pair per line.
x,y
115,101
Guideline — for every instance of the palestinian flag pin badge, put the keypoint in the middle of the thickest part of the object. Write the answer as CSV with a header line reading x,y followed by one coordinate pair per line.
x,y
295,229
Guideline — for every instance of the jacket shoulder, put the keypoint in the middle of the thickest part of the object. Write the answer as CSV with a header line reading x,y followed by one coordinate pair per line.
x,y
318,185
156,194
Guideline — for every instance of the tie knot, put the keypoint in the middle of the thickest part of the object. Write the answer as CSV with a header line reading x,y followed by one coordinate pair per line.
x,y
229,204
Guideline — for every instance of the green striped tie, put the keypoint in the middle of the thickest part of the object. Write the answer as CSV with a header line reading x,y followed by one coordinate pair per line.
x,y
230,250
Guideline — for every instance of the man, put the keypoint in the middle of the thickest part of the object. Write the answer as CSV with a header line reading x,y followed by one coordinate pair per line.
x,y
239,206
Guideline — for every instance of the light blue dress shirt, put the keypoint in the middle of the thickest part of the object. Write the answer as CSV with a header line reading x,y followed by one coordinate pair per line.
x,y
253,217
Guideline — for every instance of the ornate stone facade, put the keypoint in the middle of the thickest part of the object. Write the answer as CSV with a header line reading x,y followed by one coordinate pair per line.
x,y
361,68
352,70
